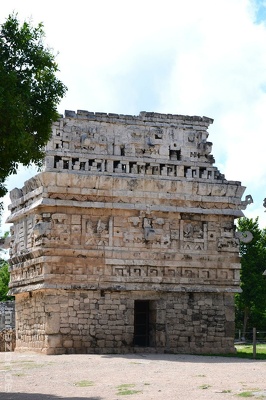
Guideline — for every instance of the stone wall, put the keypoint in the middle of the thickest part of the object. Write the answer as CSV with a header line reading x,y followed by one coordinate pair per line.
x,y
131,250
129,220
7,340
7,315
103,322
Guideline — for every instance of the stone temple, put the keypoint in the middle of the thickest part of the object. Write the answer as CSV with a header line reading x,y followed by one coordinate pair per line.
x,y
125,242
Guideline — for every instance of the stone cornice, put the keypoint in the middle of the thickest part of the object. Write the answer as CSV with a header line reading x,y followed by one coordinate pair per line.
x,y
143,117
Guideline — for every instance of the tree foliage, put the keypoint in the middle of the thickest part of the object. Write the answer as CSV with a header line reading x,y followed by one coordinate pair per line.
x,y
29,95
251,303
4,281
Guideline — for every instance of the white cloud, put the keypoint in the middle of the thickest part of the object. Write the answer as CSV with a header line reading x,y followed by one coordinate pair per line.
x,y
187,57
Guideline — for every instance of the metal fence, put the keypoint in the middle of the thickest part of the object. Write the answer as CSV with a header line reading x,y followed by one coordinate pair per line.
x,y
254,337
260,336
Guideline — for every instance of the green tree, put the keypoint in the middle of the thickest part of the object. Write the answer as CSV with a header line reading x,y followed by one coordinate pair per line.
x,y
4,280
251,303
29,95
4,273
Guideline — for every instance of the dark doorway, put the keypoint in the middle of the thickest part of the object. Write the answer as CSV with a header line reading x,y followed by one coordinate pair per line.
x,y
142,323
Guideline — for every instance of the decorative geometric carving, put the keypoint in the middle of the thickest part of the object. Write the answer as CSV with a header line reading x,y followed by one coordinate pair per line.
x,y
228,240
245,237
227,244
89,234
248,200
193,235
127,207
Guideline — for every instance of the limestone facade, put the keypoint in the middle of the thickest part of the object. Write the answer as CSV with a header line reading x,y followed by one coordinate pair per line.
x,y
7,326
126,241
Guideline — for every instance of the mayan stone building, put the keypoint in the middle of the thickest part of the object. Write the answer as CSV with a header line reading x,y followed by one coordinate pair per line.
x,y
126,241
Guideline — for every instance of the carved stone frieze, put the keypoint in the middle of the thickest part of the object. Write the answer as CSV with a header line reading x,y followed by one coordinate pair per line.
x,y
128,210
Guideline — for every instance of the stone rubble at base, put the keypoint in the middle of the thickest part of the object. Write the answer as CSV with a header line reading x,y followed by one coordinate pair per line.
x,y
126,241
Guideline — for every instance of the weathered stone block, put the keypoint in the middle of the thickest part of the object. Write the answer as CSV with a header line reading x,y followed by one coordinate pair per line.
x,y
53,341
52,308
68,343
52,325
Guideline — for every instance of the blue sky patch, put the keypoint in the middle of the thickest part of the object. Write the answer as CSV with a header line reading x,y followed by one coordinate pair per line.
x,y
260,11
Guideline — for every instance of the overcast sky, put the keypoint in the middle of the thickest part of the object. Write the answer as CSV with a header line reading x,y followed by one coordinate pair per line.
x,y
191,57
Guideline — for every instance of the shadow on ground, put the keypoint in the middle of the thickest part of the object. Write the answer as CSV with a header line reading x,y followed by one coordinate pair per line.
x,y
39,396
184,358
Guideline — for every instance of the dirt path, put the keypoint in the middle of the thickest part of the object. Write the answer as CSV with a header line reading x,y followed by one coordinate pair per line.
x,y
109,377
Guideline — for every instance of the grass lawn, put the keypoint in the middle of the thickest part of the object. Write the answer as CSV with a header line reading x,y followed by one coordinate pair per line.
x,y
246,351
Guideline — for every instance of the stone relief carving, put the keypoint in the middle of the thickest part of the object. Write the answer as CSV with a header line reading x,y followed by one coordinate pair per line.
x,y
96,232
89,235
227,243
60,228
193,235
149,231
163,233
228,240
248,200
204,148
191,137
138,141
34,273
15,194
245,237
188,231
40,230
157,161
180,273
102,233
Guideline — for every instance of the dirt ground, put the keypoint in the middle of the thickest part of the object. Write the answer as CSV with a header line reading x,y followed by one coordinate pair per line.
x,y
112,377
